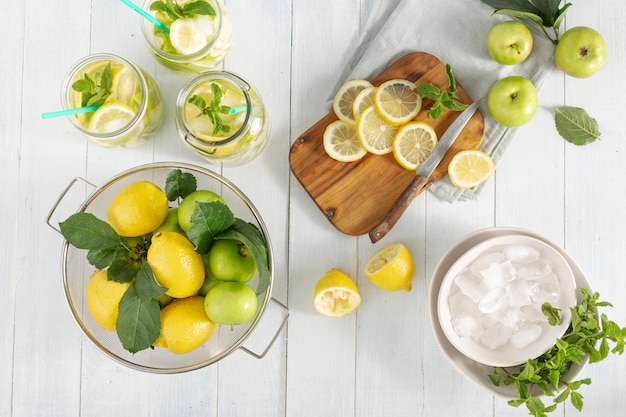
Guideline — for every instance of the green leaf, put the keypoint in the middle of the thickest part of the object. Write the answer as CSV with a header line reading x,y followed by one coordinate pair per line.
x,y
138,322
576,126
532,17
551,313
198,7
86,231
122,270
577,400
103,258
428,90
207,221
146,285
251,236
562,396
179,184
496,376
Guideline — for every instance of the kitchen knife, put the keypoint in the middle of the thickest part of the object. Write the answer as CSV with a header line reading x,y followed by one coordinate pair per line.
x,y
423,174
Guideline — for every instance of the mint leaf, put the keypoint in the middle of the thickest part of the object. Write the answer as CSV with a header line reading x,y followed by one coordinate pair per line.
x,y
552,314
576,126
179,184
169,7
251,236
442,99
207,221
86,231
138,321
95,92
213,110
198,7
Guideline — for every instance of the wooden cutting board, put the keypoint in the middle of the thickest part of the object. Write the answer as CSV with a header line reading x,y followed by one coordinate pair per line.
x,y
356,196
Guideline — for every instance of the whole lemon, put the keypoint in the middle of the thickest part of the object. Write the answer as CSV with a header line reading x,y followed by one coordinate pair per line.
x,y
137,209
391,268
103,298
175,264
184,325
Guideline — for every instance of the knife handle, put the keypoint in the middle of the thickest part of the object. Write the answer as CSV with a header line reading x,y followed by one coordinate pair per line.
x,y
399,206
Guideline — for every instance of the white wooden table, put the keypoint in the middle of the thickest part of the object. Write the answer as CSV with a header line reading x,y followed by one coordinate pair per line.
x,y
381,361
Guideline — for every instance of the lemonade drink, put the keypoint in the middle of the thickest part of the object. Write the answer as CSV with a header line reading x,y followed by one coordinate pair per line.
x,y
130,106
200,33
221,117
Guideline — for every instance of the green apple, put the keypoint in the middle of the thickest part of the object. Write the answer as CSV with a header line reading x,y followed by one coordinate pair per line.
x,y
209,279
581,52
188,205
231,303
512,101
230,260
509,42
170,224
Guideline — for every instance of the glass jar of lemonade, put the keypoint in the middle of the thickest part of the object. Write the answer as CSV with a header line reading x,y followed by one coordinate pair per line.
x,y
194,35
127,102
221,117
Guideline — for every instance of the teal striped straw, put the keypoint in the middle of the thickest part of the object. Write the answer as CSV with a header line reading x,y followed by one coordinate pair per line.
x,y
147,15
69,112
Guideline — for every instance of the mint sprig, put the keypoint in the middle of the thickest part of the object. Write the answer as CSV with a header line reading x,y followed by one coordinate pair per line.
x,y
442,100
174,11
213,109
95,91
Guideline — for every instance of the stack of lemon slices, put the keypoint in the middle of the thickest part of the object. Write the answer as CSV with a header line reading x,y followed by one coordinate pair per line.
x,y
379,120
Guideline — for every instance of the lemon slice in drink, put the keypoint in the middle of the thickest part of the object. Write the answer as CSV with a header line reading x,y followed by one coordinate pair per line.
x,y
376,134
124,85
186,36
341,142
342,103
336,295
391,268
397,101
413,144
110,117
470,168
362,101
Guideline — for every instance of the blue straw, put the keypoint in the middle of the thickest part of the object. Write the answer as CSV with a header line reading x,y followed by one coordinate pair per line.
x,y
234,110
147,15
69,112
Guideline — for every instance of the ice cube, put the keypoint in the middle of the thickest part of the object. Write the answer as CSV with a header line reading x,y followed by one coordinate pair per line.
x,y
492,301
510,317
534,271
466,325
518,292
461,304
521,253
533,314
498,275
526,335
484,261
546,289
494,336
470,285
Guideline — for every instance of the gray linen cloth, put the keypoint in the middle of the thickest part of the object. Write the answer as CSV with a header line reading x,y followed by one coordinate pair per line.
x,y
455,31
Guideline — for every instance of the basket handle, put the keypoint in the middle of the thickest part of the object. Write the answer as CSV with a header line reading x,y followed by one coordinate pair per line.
x,y
271,342
61,197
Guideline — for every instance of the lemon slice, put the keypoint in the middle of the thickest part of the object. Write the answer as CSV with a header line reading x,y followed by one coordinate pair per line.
x,y
336,295
469,168
124,85
342,103
413,144
342,143
376,135
362,101
397,101
111,117
391,268
186,36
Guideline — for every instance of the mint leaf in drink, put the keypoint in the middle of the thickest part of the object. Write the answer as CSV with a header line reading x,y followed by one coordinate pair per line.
x,y
576,126
138,322
198,8
179,184
442,100
207,221
174,11
96,91
213,110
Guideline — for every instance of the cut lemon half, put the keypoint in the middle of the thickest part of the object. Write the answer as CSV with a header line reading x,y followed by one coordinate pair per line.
x,y
186,36
362,101
413,144
470,168
376,134
336,295
397,101
391,268
342,103
341,142
111,117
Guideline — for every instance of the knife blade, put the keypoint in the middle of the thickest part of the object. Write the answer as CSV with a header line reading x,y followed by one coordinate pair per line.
x,y
423,174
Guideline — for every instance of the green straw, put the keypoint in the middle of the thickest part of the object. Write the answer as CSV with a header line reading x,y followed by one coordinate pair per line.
x,y
69,112
234,110
147,15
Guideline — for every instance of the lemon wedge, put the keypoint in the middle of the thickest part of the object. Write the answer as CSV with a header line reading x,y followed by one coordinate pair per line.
x,y
342,143
344,99
470,168
111,117
336,295
397,101
391,268
413,144
376,134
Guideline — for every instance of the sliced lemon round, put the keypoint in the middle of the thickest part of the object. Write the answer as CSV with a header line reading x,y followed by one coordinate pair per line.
x,y
124,85
342,103
391,268
362,101
413,144
397,101
186,36
341,142
470,168
111,117
375,134
336,295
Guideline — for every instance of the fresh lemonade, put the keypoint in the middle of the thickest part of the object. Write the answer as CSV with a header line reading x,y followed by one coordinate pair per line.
x,y
200,33
222,118
130,108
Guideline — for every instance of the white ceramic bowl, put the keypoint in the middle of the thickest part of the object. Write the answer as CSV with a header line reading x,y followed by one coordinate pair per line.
x,y
470,369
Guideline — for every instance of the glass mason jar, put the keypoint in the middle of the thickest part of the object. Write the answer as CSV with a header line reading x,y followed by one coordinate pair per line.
x,y
132,110
221,117
194,44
